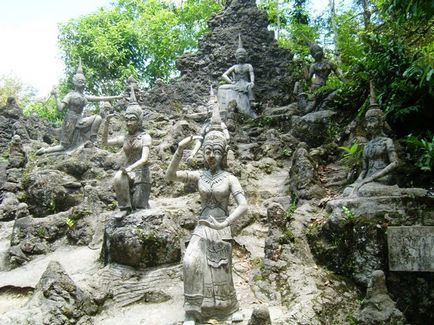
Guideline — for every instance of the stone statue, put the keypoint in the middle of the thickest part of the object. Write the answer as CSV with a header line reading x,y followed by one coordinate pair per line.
x,y
241,80
76,129
132,183
207,126
208,286
378,307
320,70
379,158
17,155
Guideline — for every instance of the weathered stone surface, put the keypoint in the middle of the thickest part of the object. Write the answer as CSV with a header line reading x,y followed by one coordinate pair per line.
x,y
56,300
144,238
50,191
11,208
35,236
378,307
411,248
260,316
313,128
303,176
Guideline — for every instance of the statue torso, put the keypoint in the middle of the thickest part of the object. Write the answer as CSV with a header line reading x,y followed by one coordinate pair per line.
x,y
214,191
75,102
376,155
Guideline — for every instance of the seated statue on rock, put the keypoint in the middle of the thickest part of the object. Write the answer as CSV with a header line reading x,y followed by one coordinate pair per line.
x,y
76,129
132,183
208,285
241,80
379,160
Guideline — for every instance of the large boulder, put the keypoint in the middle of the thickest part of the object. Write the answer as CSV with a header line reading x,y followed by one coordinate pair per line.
x,y
51,191
314,128
144,238
57,300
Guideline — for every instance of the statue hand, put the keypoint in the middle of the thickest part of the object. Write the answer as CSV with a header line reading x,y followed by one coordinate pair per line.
x,y
189,159
185,142
213,223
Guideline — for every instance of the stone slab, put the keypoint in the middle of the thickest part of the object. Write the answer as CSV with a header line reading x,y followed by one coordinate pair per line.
x,y
411,248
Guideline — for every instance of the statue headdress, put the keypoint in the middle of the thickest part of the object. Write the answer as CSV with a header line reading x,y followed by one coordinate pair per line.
x,y
79,71
215,134
240,49
133,107
374,108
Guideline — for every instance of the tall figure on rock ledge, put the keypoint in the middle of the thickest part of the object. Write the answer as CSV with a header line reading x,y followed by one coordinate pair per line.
x,y
208,286
132,183
76,129
241,80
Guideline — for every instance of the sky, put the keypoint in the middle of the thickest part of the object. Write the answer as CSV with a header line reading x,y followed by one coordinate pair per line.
x,y
28,38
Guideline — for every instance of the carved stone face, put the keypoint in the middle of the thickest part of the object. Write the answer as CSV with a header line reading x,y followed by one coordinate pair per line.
x,y
132,122
241,56
373,125
213,154
79,81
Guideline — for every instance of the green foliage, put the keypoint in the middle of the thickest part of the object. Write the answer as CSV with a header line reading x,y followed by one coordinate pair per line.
x,y
46,110
422,150
352,156
292,207
134,37
11,86
349,215
70,222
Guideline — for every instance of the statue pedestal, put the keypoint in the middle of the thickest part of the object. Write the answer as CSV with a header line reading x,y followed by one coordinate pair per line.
x,y
144,238
226,94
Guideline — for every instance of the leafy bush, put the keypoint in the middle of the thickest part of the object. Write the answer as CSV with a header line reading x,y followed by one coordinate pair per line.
x,y
422,151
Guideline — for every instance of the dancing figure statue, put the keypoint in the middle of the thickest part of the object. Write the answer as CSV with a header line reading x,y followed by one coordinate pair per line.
x,y
208,286
241,81
132,183
76,128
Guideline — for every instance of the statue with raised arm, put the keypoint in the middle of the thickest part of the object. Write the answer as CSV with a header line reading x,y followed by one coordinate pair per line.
x,y
320,70
379,157
76,128
208,286
241,79
132,183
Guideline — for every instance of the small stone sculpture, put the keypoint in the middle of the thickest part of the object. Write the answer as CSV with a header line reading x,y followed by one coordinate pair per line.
x,y
132,184
76,129
17,155
320,70
206,127
379,159
260,316
208,286
378,307
241,81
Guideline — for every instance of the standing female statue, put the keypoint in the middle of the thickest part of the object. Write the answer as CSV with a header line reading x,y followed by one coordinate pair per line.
x,y
241,80
76,129
208,286
132,183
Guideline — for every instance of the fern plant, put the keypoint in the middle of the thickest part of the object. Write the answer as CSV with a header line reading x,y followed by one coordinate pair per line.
x,y
352,156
